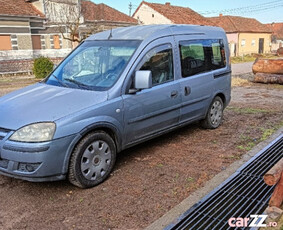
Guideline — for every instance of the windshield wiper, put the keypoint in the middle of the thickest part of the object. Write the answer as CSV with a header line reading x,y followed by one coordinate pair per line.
x,y
60,81
81,85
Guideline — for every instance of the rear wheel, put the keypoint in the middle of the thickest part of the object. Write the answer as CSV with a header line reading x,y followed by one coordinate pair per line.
x,y
214,115
92,160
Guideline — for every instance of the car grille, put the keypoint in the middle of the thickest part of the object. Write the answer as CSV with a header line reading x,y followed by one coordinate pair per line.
x,y
3,133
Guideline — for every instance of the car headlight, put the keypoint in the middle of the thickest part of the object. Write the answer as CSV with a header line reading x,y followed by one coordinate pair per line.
x,y
38,132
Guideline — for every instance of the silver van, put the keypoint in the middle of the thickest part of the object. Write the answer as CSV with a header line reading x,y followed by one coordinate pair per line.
x,y
117,89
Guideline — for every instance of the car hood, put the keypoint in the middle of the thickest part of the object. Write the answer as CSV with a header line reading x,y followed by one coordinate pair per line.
x,y
42,102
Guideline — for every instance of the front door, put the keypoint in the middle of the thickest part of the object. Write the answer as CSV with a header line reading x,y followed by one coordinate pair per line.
x,y
153,110
261,46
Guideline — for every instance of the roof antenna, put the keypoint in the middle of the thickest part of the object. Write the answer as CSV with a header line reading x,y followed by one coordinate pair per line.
x,y
110,35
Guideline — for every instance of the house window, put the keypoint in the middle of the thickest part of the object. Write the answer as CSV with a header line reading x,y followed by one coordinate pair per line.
x,y
56,41
36,42
253,42
5,42
152,15
243,42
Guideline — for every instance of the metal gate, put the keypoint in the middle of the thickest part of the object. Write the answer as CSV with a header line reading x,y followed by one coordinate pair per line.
x,y
241,195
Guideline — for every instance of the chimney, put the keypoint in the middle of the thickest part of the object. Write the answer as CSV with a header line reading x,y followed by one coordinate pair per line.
x,y
220,15
167,4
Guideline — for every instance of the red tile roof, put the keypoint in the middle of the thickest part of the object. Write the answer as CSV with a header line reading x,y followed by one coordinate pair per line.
x,y
236,24
93,12
19,8
177,14
277,30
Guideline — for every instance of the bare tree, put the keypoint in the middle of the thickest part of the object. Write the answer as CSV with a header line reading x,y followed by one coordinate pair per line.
x,y
68,16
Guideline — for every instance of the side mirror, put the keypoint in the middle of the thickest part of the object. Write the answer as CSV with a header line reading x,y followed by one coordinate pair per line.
x,y
143,79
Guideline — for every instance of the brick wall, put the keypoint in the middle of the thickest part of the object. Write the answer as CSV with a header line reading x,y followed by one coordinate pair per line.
x,y
20,66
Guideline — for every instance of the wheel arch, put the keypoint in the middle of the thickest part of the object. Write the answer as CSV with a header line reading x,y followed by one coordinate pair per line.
x,y
223,98
218,94
110,129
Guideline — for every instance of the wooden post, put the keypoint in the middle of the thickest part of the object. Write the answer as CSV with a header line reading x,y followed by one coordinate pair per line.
x,y
268,78
277,196
274,174
272,177
274,66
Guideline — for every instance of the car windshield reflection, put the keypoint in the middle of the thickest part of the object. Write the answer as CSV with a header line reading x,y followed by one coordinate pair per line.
x,y
95,65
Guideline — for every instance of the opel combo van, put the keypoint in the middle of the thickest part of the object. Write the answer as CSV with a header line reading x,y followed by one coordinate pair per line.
x,y
116,89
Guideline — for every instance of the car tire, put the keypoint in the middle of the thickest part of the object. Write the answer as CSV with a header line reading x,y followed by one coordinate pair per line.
x,y
214,114
92,160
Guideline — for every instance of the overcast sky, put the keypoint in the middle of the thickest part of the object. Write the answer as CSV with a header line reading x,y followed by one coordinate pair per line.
x,y
266,11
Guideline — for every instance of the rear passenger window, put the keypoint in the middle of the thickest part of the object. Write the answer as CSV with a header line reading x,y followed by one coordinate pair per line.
x,y
201,56
193,57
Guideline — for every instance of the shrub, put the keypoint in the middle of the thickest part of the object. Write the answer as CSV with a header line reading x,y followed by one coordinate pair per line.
x,y
42,67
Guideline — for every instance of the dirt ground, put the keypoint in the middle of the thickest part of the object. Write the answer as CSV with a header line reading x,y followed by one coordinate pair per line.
x,y
148,179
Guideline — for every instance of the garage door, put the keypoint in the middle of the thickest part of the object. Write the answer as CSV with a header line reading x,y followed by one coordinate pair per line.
x,y
36,42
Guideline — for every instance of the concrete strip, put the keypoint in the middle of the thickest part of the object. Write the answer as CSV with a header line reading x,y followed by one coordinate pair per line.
x,y
186,204
242,68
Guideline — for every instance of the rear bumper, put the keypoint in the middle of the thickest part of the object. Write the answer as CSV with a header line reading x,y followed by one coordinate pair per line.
x,y
36,162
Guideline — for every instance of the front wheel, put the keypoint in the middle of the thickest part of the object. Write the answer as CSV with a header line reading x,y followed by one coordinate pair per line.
x,y
214,115
92,160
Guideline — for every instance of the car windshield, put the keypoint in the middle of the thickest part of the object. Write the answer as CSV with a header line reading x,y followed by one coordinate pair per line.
x,y
94,65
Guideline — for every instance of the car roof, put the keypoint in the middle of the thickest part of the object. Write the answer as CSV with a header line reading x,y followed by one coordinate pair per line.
x,y
152,32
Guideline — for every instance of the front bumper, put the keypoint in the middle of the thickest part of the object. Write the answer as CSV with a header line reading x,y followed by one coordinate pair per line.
x,y
36,162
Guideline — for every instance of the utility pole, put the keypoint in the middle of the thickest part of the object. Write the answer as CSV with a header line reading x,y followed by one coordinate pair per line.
x,y
130,9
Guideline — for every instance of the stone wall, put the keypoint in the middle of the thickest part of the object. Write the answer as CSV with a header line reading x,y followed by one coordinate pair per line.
x,y
24,42
23,66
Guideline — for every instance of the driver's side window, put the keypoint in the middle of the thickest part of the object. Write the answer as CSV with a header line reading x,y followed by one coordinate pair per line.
x,y
160,62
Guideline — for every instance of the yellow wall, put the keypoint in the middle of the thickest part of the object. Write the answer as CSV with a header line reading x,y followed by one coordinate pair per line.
x,y
14,23
38,5
248,48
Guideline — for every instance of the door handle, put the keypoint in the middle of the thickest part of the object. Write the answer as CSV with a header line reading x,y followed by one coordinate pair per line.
x,y
174,93
187,90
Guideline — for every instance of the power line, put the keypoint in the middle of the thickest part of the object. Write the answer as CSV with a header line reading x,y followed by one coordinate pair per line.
x,y
258,7
240,11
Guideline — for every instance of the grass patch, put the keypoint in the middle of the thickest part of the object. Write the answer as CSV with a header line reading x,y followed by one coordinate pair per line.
x,y
241,59
248,110
237,81
190,179
5,80
246,142
247,147
266,133
251,58
277,86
